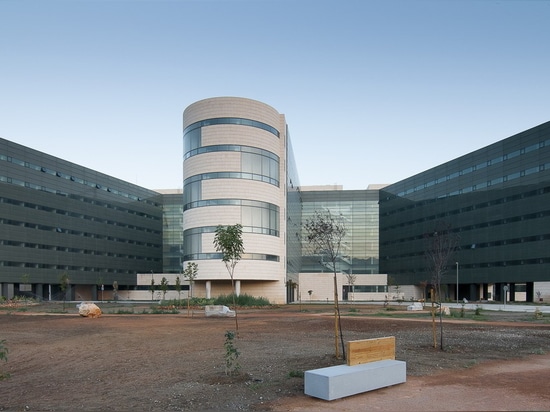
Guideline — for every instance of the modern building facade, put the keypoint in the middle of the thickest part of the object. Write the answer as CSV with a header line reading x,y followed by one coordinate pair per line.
x,y
496,200
61,219
359,258
58,218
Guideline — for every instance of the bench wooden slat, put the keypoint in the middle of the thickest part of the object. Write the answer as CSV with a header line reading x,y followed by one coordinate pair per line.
x,y
370,350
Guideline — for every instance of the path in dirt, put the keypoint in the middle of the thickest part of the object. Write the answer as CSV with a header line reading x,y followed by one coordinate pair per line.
x,y
519,385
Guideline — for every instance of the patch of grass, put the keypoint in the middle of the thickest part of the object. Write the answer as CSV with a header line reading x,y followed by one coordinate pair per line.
x,y
164,310
255,386
471,363
296,374
243,300
125,311
539,351
411,314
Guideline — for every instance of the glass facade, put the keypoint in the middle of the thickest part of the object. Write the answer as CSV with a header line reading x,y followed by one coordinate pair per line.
x,y
57,217
172,232
360,246
495,199
60,218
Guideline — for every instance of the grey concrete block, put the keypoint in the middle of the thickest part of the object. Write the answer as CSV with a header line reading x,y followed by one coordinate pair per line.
x,y
340,381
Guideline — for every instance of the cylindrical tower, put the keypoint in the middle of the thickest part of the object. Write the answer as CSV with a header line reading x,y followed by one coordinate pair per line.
x,y
234,172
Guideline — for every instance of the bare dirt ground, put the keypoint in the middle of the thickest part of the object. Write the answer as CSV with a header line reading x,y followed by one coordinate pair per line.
x,y
173,362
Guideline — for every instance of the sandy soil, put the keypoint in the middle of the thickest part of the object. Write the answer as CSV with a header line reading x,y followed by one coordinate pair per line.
x,y
175,362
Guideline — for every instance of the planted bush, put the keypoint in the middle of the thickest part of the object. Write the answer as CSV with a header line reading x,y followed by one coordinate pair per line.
x,y
243,300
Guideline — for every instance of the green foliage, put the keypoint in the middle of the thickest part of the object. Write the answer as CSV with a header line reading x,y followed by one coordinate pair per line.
x,y
296,374
164,310
178,286
229,241
164,286
125,311
152,287
243,300
3,357
64,282
231,354
190,273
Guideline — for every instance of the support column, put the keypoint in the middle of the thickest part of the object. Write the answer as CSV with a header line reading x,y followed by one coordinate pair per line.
x,y
39,291
208,286
237,288
93,289
474,292
8,290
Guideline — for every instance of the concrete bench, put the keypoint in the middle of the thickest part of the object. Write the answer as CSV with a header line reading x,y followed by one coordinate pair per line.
x,y
370,365
219,311
415,306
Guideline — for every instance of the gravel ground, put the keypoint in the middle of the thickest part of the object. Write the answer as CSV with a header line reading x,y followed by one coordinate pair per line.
x,y
176,362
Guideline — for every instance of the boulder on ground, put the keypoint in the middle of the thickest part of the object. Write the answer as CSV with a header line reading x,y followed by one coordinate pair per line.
x,y
218,311
89,310
446,310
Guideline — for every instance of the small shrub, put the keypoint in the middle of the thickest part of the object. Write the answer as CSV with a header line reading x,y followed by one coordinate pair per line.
x,y
243,300
231,354
478,310
538,314
296,374
164,310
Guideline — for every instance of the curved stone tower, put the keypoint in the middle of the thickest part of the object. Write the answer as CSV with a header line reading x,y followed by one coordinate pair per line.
x,y
234,171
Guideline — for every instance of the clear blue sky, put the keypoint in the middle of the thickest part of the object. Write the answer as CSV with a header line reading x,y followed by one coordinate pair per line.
x,y
373,91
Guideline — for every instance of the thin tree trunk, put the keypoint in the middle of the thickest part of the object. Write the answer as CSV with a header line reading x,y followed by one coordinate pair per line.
x,y
336,351
433,319
440,319
235,307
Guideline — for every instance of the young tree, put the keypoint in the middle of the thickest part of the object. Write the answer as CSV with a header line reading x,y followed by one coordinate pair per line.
x,y
351,284
178,288
64,286
164,287
190,273
324,233
152,288
441,245
115,290
229,241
